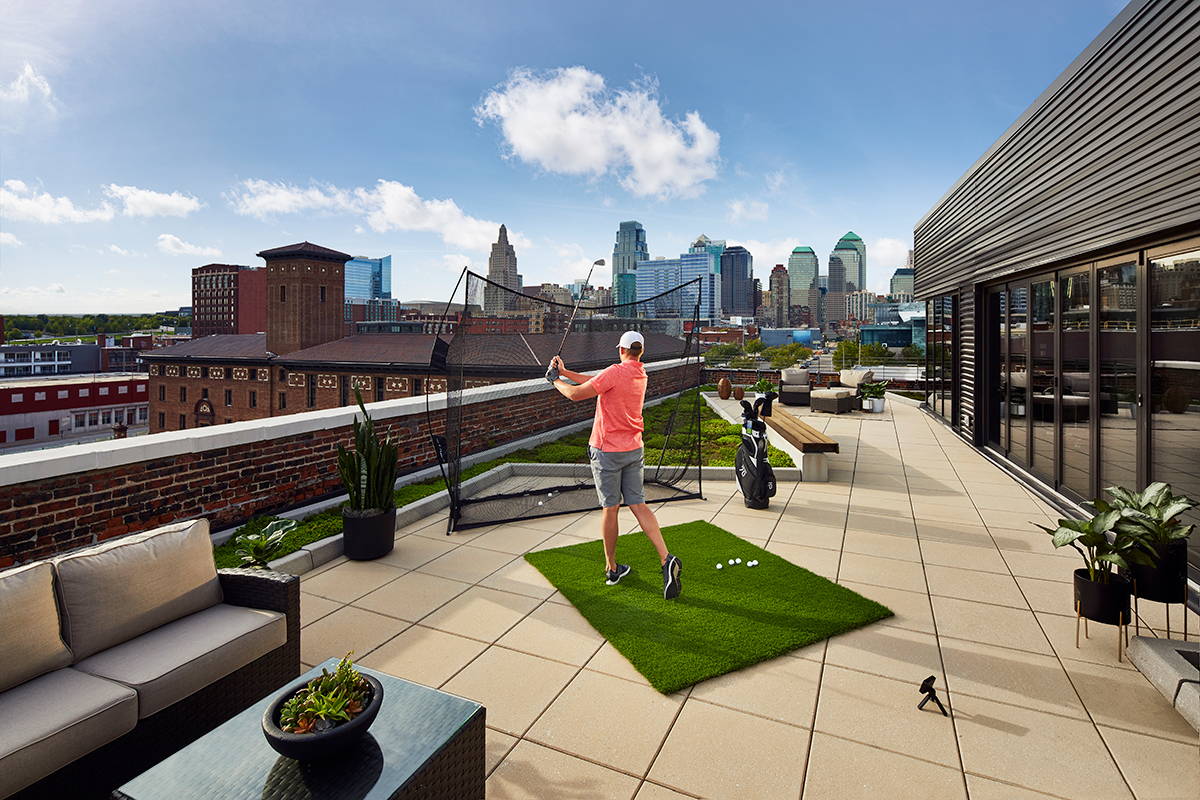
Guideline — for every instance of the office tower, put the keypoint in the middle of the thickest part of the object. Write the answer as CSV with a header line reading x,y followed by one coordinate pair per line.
x,y
803,267
664,274
737,282
228,298
856,266
780,296
369,278
705,245
902,282
502,270
859,306
835,300
758,295
629,249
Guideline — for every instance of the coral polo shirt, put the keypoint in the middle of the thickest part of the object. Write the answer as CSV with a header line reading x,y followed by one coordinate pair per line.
x,y
621,392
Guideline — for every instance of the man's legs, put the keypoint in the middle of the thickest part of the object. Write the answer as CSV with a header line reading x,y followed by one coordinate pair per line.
x,y
649,523
608,525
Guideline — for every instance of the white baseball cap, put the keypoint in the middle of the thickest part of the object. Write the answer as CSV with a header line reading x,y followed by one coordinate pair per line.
x,y
629,337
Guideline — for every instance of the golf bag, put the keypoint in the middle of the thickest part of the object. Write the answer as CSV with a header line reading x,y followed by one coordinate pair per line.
x,y
755,477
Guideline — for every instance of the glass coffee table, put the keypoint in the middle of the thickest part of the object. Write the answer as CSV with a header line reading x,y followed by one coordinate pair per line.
x,y
424,744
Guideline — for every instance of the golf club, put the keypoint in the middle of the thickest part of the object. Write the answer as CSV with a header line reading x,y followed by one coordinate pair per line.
x,y
571,321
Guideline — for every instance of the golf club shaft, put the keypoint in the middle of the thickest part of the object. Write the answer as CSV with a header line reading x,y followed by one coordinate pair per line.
x,y
587,281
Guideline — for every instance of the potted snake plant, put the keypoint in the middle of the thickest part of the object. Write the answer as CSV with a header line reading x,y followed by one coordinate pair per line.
x,y
1154,515
1101,593
368,474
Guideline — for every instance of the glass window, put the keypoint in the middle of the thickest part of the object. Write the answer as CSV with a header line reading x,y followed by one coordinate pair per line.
x,y
80,420
106,417
1076,402
1018,375
93,418
1041,379
1116,299
1175,376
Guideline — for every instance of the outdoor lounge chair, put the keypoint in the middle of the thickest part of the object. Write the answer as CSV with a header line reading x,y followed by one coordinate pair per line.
x,y
843,394
794,387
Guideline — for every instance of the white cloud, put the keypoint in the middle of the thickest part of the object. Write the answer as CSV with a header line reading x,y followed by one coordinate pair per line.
x,y
888,253
19,202
766,254
747,210
29,89
172,245
56,298
121,251
454,262
148,203
387,206
11,240
776,181
568,121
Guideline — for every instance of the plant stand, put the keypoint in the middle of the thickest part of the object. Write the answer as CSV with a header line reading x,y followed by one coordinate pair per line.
x,y
1122,633
1137,620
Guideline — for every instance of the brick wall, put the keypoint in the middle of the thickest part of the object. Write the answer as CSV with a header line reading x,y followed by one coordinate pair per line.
x,y
741,377
51,502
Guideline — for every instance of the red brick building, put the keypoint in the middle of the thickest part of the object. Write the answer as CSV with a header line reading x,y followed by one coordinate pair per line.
x,y
228,299
42,409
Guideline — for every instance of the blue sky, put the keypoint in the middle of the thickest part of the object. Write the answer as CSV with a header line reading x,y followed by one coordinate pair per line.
x,y
141,139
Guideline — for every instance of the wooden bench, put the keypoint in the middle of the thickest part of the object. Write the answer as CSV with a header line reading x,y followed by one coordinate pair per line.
x,y
812,444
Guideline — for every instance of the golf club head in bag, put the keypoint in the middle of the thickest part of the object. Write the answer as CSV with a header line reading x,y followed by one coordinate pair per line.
x,y
755,477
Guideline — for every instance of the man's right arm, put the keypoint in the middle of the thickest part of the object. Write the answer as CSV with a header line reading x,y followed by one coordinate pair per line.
x,y
578,377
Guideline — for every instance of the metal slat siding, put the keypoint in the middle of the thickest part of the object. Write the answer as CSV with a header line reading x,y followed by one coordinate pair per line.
x,y
1110,153
966,360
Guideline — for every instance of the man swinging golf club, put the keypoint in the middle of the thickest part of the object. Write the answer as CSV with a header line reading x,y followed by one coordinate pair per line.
x,y
615,448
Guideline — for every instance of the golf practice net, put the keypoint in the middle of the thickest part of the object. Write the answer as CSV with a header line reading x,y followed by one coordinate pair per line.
x,y
506,336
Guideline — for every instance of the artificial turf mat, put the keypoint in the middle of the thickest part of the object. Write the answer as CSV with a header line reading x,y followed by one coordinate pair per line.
x,y
725,619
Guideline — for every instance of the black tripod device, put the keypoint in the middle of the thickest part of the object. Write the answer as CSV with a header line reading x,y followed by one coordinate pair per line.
x,y
930,694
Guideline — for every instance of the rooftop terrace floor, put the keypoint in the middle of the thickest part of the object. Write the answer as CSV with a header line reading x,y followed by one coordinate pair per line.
x,y
913,518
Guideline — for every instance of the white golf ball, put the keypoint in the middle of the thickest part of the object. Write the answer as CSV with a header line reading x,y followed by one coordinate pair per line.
x,y
539,502
719,566
732,562
751,563
737,561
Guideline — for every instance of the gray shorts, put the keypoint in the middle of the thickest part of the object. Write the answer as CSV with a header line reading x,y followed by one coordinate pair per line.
x,y
618,475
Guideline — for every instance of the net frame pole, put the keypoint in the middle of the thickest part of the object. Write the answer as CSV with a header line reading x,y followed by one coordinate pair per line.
x,y
586,281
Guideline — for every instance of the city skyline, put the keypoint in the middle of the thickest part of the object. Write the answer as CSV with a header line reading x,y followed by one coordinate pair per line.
x,y
119,181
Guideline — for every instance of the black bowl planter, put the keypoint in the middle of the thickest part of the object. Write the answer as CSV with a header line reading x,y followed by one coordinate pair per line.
x,y
319,744
365,538
1166,581
1103,602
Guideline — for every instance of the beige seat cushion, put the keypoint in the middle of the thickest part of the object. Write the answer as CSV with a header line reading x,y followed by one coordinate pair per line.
x,y
792,377
855,377
30,636
832,394
122,588
169,663
52,720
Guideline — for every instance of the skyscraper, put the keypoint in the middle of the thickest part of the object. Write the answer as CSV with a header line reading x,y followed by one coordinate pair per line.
x,y
502,269
737,282
902,282
856,268
705,245
663,274
843,258
802,268
369,278
780,296
629,249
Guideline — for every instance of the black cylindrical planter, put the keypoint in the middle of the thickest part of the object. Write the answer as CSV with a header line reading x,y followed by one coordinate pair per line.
x,y
1103,602
365,538
1165,581
319,744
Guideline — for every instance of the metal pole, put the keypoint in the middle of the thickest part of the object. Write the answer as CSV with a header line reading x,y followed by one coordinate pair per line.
x,y
597,263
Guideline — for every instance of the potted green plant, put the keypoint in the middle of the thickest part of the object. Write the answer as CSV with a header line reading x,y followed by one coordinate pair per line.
x,y
1154,515
1101,594
324,715
368,473
257,550
873,396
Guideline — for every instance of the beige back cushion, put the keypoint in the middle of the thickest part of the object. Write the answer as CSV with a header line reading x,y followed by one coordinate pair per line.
x,y
30,637
123,588
854,377
794,376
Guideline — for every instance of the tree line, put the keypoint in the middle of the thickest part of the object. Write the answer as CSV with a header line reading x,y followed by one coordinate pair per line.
x,y
37,326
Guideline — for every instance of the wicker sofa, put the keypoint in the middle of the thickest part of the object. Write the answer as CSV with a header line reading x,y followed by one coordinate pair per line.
x,y
118,655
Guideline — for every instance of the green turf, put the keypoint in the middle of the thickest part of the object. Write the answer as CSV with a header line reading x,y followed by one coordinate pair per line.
x,y
724,620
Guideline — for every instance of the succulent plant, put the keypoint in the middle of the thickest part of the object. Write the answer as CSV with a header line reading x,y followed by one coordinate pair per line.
x,y
327,700
258,549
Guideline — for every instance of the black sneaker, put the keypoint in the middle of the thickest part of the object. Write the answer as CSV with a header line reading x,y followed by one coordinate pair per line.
x,y
671,570
612,576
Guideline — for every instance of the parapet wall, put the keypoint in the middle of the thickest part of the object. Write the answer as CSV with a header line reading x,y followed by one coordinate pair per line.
x,y
59,499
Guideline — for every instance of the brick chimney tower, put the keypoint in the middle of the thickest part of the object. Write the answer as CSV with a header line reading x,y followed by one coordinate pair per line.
x,y
306,287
